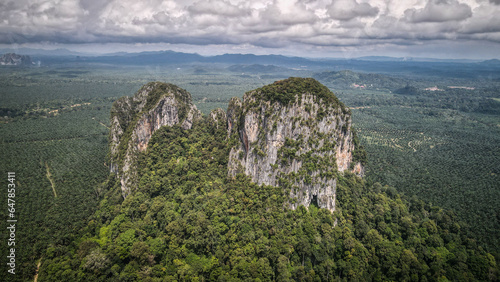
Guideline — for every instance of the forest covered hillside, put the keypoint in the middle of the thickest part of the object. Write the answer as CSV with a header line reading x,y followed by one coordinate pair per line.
x,y
194,214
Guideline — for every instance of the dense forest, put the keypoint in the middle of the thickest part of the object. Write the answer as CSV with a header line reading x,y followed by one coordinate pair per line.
x,y
189,221
437,145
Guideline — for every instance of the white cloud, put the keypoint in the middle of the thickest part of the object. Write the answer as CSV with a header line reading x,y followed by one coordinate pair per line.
x,y
266,23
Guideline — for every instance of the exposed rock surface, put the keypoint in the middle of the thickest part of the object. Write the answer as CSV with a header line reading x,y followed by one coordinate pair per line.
x,y
218,117
12,59
295,134
135,119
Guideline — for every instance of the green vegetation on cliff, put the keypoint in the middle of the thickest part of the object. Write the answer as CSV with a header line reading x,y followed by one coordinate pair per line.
x,y
128,110
285,91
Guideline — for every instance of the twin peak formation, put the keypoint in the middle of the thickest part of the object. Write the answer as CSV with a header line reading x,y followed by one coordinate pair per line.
x,y
294,134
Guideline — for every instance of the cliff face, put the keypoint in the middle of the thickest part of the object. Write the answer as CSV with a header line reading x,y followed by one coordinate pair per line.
x,y
135,119
294,134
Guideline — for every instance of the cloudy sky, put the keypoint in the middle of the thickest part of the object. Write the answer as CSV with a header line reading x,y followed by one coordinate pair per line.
x,y
311,28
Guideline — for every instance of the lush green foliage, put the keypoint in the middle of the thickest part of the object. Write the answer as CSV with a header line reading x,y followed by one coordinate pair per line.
x,y
359,153
160,89
188,221
288,90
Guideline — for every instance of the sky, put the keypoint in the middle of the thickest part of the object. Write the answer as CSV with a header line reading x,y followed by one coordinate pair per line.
x,y
307,28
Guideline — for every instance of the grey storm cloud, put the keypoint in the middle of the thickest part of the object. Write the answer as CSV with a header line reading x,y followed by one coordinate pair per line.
x,y
350,9
439,11
266,23
217,7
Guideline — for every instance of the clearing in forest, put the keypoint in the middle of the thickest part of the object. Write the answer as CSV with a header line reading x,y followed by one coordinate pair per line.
x,y
49,177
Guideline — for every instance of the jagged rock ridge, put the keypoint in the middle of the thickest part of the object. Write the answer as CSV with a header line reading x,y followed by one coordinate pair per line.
x,y
135,119
295,134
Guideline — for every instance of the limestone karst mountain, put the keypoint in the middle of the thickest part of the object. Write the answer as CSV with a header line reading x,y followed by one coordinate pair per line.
x,y
294,134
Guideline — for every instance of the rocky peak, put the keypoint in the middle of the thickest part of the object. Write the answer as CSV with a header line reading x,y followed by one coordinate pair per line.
x,y
295,134
135,119
12,59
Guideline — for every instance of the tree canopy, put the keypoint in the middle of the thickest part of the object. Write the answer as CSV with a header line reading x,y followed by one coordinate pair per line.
x,y
188,221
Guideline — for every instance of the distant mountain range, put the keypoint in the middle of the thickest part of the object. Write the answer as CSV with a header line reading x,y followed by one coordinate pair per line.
x,y
227,58
491,62
413,59
171,57
273,64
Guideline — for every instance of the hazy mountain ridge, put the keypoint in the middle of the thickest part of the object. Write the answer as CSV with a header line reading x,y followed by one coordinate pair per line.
x,y
409,67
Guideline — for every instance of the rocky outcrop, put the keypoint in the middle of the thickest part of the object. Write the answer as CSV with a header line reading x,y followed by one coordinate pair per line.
x,y
12,59
218,118
135,119
295,134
